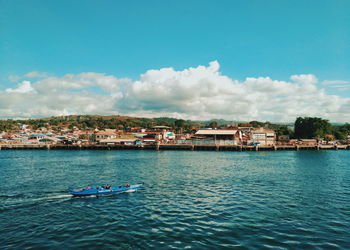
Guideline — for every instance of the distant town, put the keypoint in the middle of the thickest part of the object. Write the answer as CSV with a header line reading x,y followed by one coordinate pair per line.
x,y
120,130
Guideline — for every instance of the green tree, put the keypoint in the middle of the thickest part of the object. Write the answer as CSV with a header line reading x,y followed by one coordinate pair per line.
x,y
311,127
340,133
213,124
180,123
284,130
257,124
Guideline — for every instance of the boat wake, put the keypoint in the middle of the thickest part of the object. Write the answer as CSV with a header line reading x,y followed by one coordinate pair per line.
x,y
20,200
54,197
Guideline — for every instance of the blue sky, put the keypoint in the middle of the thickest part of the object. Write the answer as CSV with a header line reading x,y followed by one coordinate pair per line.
x,y
273,39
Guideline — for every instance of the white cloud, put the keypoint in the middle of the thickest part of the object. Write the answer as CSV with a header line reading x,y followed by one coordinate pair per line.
x,y
35,74
340,85
335,82
304,78
24,87
193,93
14,78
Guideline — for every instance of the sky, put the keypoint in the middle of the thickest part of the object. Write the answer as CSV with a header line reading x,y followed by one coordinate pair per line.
x,y
246,60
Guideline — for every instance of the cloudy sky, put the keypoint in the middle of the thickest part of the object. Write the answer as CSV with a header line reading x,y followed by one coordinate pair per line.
x,y
237,60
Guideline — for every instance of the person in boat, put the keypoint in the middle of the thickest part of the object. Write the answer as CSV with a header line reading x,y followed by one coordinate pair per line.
x,y
127,185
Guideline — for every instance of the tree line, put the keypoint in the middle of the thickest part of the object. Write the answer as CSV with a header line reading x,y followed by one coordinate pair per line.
x,y
314,127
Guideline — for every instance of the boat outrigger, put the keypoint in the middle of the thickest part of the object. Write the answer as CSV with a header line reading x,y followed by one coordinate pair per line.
x,y
104,190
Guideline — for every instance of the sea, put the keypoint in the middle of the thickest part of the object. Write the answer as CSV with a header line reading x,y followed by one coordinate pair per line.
x,y
190,200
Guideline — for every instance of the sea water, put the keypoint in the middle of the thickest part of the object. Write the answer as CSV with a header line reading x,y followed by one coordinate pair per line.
x,y
199,200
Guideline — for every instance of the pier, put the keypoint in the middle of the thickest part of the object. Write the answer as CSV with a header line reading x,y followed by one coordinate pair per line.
x,y
189,147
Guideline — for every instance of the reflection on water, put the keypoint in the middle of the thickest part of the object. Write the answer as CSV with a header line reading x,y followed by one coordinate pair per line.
x,y
191,199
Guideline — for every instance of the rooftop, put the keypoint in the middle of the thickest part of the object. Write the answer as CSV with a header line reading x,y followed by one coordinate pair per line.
x,y
216,132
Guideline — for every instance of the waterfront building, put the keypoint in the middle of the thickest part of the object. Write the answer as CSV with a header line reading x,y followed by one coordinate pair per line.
x,y
50,140
167,133
219,136
105,134
86,134
262,136
151,137
36,137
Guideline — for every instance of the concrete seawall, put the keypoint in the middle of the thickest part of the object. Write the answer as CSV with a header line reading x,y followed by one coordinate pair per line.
x,y
190,147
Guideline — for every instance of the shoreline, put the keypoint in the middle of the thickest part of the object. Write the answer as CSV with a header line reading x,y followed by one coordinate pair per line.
x,y
188,147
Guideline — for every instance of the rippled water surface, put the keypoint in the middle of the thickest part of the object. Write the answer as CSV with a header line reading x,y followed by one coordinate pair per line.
x,y
190,200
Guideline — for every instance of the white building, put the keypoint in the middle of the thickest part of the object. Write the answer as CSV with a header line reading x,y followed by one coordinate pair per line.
x,y
263,136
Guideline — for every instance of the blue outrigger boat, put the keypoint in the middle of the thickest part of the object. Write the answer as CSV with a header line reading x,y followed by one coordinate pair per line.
x,y
104,190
